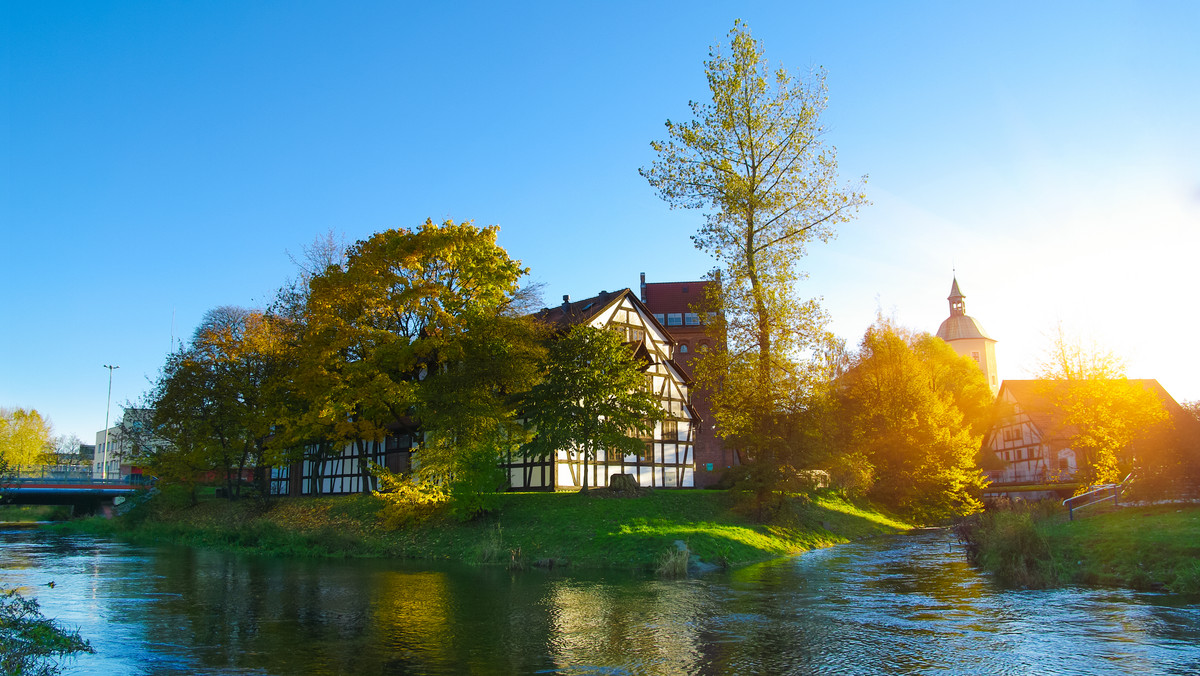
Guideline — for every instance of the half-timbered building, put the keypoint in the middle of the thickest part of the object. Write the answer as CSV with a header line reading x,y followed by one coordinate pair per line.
x,y
667,461
1029,438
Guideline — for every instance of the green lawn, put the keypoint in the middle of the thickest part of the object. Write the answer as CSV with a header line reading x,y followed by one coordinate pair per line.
x,y
597,530
1149,547
1139,547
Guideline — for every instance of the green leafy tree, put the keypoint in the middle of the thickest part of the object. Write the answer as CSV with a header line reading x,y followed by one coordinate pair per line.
x,y
593,396
755,157
210,401
1103,413
912,414
469,407
24,436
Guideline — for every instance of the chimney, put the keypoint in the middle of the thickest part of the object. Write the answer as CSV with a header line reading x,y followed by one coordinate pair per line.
x,y
566,302
642,291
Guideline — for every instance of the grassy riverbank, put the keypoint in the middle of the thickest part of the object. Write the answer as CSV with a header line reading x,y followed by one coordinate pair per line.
x,y
527,529
1150,547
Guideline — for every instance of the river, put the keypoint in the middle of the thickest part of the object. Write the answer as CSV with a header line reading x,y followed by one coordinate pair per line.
x,y
902,604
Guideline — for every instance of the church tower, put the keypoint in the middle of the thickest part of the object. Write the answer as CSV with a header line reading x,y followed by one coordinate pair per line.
x,y
968,338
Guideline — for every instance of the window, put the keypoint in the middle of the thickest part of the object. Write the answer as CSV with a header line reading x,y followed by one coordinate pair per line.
x,y
683,348
691,319
684,289
670,430
975,356
660,317
674,319
702,347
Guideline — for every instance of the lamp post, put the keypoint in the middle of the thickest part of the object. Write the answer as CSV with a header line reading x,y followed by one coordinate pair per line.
x,y
107,409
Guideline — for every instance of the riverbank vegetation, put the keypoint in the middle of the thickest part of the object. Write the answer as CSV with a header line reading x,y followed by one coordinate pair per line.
x,y
597,530
1155,547
31,644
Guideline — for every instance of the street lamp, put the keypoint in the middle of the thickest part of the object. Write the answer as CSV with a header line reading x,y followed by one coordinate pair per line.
x,y
107,409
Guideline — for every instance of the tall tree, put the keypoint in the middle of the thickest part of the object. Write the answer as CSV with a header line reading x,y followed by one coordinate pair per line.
x,y
911,415
756,158
594,396
1101,411
210,398
379,327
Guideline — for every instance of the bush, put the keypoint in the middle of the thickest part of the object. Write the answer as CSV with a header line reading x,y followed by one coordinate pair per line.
x,y
29,642
1004,540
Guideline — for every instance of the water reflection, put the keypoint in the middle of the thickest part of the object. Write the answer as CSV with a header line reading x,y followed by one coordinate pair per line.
x,y
901,605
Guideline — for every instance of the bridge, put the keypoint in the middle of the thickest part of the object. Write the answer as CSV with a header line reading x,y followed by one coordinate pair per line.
x,y
51,486
1063,489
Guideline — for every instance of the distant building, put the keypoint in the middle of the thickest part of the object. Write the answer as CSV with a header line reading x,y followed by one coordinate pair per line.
x,y
677,306
966,335
125,439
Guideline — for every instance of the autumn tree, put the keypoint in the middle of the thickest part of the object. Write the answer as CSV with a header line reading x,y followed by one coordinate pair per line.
x,y
755,158
210,400
1103,413
24,436
390,320
911,417
593,397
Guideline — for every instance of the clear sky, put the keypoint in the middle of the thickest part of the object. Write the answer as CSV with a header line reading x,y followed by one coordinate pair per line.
x,y
158,159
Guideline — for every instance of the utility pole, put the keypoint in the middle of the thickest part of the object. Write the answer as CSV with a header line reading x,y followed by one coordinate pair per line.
x,y
107,410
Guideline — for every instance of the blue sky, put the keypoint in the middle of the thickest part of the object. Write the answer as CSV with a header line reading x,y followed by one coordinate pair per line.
x,y
160,159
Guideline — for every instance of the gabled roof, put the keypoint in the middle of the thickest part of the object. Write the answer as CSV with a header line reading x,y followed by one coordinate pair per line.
x,y
584,311
1034,398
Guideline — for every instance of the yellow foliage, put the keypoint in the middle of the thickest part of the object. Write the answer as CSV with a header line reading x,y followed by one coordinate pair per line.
x,y
407,501
24,436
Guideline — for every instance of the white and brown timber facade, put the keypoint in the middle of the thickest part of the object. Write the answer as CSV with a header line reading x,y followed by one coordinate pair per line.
x,y
667,461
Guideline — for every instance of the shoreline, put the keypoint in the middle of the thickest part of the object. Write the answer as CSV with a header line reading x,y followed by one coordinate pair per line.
x,y
1148,547
527,530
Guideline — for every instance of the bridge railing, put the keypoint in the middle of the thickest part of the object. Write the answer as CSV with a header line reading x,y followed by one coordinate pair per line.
x,y
68,474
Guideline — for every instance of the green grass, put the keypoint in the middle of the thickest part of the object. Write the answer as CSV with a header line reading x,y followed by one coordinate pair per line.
x,y
595,531
28,513
1155,547
1150,548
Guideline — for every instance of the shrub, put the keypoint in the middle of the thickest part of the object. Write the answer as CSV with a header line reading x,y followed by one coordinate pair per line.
x,y
674,562
29,642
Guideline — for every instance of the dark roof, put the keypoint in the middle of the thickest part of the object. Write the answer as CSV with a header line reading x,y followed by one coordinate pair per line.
x,y
954,292
572,312
1033,396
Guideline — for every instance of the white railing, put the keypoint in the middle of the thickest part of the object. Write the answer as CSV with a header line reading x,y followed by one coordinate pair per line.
x,y
1097,495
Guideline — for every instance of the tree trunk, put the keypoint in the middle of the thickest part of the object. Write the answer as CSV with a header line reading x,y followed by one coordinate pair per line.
x,y
584,490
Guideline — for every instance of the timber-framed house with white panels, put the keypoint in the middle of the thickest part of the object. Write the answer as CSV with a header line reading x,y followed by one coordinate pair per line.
x,y
1029,437
668,460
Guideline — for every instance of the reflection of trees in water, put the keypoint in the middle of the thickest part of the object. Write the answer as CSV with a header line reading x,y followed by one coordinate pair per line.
x,y
903,604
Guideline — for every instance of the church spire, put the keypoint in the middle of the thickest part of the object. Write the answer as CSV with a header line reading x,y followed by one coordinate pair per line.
x,y
958,307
